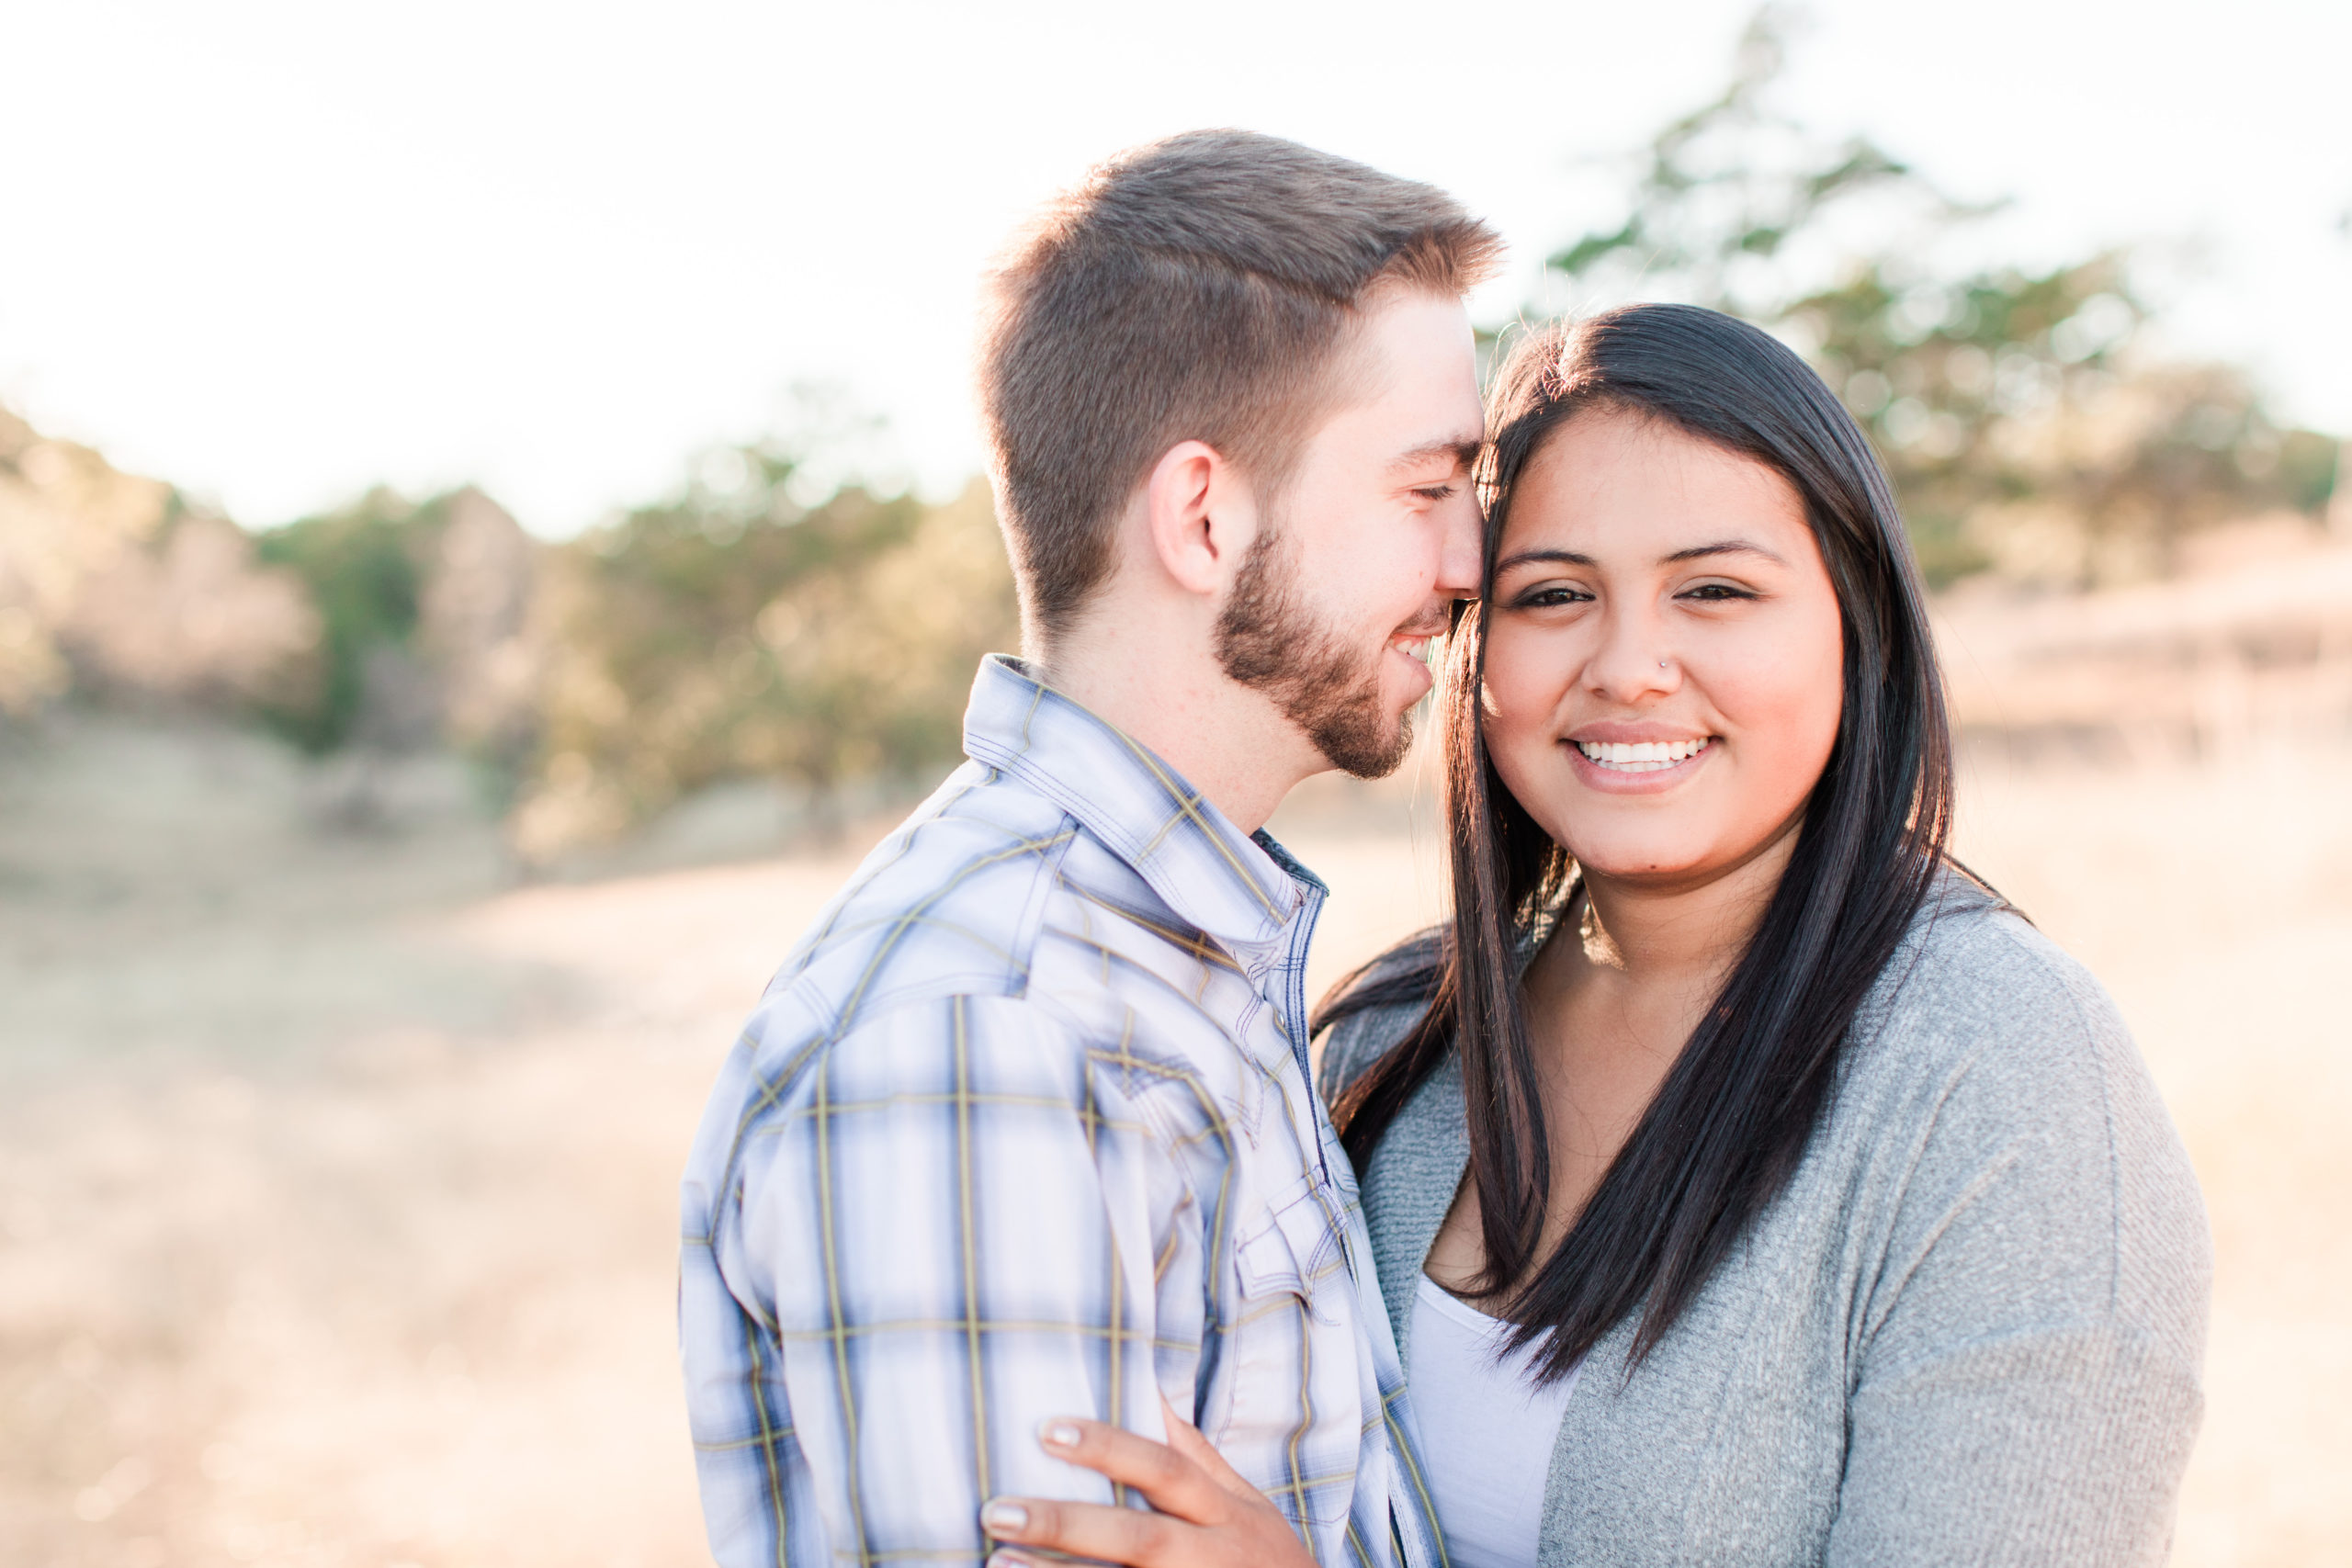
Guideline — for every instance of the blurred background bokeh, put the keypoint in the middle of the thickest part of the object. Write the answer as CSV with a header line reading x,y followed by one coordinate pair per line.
x,y
428,713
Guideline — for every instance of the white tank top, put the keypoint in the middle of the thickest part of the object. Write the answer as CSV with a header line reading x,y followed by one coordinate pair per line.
x,y
1486,1429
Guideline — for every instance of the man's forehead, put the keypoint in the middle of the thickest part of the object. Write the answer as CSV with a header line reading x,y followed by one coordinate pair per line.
x,y
1408,390
1411,341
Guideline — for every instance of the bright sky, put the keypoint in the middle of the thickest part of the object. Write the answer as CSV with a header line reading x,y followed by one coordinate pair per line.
x,y
275,252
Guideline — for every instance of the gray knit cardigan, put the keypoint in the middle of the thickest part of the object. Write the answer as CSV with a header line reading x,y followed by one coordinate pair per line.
x,y
1969,1331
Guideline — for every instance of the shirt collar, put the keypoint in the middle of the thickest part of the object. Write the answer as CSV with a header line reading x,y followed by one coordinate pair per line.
x,y
1223,881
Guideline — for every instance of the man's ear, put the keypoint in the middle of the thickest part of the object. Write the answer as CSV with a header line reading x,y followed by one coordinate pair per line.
x,y
1199,516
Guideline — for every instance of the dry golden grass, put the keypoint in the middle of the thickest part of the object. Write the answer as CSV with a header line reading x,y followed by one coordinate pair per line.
x,y
336,1185
2215,902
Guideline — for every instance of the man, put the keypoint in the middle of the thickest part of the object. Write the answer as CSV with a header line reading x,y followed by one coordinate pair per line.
x,y
1023,1129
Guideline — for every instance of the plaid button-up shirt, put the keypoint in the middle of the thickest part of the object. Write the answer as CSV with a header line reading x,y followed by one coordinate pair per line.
x,y
1023,1129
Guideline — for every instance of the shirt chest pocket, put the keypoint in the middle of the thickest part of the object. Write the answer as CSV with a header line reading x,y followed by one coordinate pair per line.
x,y
1293,1405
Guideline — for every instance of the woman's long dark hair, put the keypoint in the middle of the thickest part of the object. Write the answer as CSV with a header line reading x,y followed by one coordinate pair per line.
x,y
1732,1118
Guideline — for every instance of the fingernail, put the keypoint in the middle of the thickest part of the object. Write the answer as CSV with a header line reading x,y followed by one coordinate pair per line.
x,y
1061,1433
1004,1518
1009,1560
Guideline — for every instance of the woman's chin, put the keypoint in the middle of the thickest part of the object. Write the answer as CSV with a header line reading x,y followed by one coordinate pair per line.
x,y
1637,866
1650,856
1638,849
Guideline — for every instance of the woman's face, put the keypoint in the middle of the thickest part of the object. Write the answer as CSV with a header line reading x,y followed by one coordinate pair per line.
x,y
1664,653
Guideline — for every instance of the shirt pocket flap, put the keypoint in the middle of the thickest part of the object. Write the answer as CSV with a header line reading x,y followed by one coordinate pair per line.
x,y
1267,1265
1291,1251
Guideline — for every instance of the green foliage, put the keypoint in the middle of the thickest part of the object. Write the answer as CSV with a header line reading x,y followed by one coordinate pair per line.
x,y
2009,389
1729,186
2022,418
364,568
2308,470
735,631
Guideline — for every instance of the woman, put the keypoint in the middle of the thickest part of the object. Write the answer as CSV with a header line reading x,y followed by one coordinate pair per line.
x,y
1749,1184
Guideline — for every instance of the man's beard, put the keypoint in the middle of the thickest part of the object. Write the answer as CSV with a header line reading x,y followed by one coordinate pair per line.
x,y
1268,640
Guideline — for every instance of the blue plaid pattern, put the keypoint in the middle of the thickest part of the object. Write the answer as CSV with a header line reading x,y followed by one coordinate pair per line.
x,y
1023,1129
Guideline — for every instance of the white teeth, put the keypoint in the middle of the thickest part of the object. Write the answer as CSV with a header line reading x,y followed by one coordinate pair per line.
x,y
1413,648
1641,755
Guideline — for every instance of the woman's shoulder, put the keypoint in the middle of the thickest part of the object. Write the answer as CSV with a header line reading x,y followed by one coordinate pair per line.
x,y
1976,1002
1371,1009
1974,983
1991,1073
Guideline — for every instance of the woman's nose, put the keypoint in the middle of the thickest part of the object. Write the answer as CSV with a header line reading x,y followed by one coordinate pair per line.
x,y
1633,664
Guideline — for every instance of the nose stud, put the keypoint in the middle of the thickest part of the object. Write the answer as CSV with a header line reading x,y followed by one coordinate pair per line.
x,y
1661,664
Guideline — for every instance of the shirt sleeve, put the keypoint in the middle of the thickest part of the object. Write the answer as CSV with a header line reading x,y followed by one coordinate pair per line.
x,y
949,1238
2026,1387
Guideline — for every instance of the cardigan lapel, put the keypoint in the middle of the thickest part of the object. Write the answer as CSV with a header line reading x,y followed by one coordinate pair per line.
x,y
1414,1173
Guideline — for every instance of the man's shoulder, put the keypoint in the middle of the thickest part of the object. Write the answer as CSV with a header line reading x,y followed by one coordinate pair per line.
x,y
974,906
991,923
948,904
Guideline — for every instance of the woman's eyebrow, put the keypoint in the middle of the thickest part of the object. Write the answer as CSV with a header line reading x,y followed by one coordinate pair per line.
x,y
1528,558
1696,552
1722,547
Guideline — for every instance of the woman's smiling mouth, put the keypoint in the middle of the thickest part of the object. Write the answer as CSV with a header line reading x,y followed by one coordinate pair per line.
x,y
1641,755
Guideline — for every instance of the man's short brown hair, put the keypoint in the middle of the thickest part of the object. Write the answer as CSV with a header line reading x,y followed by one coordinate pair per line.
x,y
1197,288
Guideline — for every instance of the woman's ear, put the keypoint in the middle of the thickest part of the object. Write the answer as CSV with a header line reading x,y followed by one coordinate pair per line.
x,y
1199,517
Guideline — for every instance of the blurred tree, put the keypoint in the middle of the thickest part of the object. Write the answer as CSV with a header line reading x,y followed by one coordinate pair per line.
x,y
112,587
365,566
738,630
2024,417
425,610
1724,194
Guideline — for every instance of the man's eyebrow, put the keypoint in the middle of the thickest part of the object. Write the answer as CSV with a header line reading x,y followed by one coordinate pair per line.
x,y
1723,548
1465,453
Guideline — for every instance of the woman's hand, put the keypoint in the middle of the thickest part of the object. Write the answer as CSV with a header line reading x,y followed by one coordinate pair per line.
x,y
1208,1517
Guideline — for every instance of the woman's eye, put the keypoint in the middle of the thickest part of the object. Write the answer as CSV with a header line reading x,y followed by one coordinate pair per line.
x,y
1715,592
1548,598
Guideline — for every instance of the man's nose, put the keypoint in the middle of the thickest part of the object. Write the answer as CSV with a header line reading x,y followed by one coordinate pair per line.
x,y
1460,566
